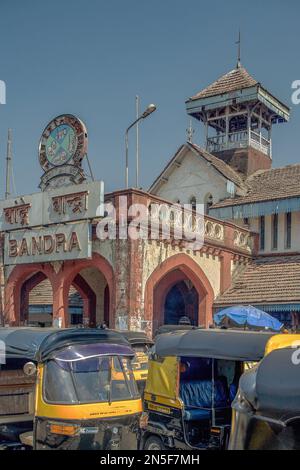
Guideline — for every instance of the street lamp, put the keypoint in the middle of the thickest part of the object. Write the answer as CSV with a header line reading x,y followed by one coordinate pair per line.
x,y
149,110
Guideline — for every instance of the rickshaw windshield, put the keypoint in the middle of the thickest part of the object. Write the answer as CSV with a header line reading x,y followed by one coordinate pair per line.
x,y
90,379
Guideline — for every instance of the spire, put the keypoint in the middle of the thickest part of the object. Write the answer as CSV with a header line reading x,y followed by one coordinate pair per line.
x,y
238,65
190,132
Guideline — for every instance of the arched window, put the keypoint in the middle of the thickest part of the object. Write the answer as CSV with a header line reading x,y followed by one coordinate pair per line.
x,y
193,202
208,202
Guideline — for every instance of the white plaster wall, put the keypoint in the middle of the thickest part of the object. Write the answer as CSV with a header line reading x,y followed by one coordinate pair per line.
x,y
295,242
195,177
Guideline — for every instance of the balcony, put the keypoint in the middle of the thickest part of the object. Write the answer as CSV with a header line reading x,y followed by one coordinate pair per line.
x,y
240,139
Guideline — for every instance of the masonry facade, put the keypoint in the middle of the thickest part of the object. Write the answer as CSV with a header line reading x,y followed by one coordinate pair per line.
x,y
250,251
126,283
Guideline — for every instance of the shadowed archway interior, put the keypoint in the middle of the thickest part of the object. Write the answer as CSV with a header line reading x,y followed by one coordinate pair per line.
x,y
181,301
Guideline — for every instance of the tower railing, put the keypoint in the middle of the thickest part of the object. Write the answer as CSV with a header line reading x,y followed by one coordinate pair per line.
x,y
239,139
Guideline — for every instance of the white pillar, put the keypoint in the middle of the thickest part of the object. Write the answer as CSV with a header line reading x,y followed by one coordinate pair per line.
x,y
227,125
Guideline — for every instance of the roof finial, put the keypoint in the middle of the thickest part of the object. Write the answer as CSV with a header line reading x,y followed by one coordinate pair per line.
x,y
190,132
238,65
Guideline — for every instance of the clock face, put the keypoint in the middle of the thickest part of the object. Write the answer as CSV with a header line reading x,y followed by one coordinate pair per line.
x,y
61,145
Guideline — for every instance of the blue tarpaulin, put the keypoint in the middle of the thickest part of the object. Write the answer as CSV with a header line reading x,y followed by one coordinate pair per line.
x,y
247,316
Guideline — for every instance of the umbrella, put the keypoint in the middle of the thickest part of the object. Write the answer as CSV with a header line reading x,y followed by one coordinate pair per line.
x,y
247,316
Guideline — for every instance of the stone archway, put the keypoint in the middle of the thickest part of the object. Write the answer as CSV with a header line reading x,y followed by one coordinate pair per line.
x,y
61,278
22,279
172,271
87,270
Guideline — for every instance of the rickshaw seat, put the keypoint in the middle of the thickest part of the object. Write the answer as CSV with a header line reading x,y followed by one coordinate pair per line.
x,y
195,414
197,398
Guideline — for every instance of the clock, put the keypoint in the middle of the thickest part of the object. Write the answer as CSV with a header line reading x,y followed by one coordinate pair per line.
x,y
61,145
63,142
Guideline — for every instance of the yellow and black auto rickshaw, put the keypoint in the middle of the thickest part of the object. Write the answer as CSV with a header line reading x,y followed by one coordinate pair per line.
x,y
193,378
266,410
141,345
67,389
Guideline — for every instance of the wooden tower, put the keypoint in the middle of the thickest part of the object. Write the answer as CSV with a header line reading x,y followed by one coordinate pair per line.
x,y
238,114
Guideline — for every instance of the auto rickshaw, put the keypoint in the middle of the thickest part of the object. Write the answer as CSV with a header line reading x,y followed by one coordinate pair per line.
x,y
193,378
140,344
266,410
67,389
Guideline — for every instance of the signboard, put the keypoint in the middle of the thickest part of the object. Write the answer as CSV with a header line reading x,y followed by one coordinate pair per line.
x,y
59,242
69,204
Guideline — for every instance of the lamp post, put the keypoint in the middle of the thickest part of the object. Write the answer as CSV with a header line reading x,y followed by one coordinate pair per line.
x,y
149,110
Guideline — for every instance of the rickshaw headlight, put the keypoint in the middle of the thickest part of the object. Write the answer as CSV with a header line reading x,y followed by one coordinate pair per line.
x,y
64,429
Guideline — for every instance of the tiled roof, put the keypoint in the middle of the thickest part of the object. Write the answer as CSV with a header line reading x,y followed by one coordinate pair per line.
x,y
268,185
220,165
42,295
236,79
265,280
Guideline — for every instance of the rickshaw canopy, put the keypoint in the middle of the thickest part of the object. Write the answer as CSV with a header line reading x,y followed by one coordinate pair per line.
x,y
170,328
278,382
136,337
39,344
233,345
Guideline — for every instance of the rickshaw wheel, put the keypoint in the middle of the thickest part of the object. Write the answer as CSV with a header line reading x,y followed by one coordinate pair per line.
x,y
154,443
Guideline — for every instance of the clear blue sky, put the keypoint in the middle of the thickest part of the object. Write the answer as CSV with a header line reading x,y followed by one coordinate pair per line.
x,y
91,58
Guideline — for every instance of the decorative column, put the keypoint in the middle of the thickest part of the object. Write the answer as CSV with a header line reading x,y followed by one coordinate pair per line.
x,y
60,301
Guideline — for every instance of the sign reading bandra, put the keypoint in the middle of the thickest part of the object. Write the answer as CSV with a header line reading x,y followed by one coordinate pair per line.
x,y
54,224
55,243
51,226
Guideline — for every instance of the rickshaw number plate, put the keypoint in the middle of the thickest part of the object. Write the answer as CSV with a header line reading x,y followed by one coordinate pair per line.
x,y
159,409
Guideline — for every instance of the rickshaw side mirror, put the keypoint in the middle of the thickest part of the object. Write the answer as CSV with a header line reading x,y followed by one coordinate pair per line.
x,y
29,368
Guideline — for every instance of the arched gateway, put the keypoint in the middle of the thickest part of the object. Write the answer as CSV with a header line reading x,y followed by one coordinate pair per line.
x,y
182,273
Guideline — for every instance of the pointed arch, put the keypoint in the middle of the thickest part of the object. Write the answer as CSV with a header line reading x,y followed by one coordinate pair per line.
x,y
166,275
